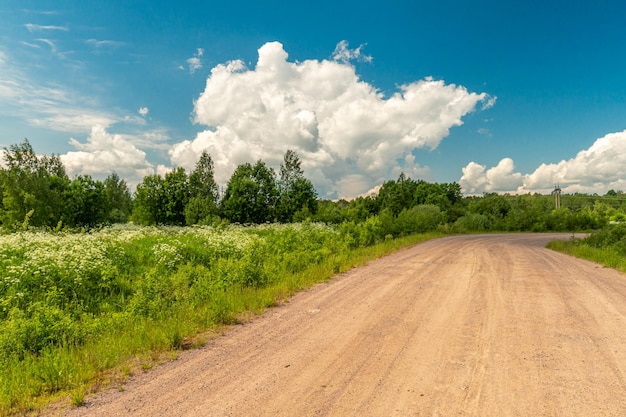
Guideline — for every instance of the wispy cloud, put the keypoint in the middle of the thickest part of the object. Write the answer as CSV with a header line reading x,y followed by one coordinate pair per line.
x,y
194,62
104,43
31,45
38,28
489,102
484,131
42,12
344,54
46,104
52,45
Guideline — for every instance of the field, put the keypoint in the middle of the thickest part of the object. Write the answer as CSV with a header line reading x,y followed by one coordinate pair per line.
x,y
84,310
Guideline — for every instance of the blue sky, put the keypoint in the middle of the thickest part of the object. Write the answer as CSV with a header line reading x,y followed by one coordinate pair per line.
x,y
497,96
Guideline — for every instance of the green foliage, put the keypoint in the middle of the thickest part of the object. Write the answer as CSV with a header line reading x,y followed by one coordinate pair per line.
x,y
162,201
87,203
612,236
37,187
251,195
118,199
606,246
203,193
149,199
406,193
297,194
73,305
32,183
329,212
471,222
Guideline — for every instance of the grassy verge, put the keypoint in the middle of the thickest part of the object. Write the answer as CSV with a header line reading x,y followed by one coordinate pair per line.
x,y
85,312
610,257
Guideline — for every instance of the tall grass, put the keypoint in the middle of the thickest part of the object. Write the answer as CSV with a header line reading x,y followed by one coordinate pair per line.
x,y
84,310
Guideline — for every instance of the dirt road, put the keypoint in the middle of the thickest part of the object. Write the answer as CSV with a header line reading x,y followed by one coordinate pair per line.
x,y
462,326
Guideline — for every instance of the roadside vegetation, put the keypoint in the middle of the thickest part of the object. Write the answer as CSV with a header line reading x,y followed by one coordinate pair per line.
x,y
75,306
606,246
97,283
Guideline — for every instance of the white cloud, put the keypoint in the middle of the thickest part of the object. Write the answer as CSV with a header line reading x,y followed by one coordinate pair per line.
x,y
344,54
489,102
52,45
31,45
484,131
477,179
98,44
595,170
194,62
348,135
143,111
38,28
104,153
42,12
43,103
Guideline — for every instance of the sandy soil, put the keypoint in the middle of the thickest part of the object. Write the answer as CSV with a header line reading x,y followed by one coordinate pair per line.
x,y
462,326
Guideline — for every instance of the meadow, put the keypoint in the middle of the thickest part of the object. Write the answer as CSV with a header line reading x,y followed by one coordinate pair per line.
x,y
84,310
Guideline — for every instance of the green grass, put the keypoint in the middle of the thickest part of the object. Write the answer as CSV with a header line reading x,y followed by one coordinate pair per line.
x,y
607,256
82,312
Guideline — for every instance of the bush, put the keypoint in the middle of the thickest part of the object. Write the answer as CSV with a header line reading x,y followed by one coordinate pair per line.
x,y
613,235
471,222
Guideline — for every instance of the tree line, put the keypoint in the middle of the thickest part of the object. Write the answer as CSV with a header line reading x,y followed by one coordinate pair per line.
x,y
36,192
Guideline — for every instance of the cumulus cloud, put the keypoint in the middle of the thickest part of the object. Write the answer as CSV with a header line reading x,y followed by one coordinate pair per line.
x,y
348,135
478,179
103,153
595,170
194,62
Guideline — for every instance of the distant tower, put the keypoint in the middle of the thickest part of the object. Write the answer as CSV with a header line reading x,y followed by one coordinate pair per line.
x,y
557,196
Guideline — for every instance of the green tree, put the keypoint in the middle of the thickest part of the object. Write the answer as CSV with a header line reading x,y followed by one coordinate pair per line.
x,y
118,199
86,202
176,192
398,195
443,195
203,192
329,212
32,183
361,208
297,194
251,194
161,200
494,206
148,208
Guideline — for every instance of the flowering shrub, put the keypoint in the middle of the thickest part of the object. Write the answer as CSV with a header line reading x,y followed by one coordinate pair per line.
x,y
78,278
74,305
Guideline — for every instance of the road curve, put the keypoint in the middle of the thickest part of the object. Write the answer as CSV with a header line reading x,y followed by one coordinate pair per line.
x,y
488,325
